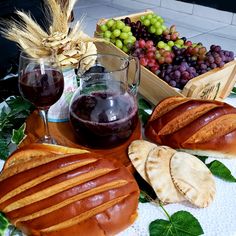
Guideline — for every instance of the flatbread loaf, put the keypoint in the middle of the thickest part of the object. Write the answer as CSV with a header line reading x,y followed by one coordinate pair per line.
x,y
138,153
158,172
191,177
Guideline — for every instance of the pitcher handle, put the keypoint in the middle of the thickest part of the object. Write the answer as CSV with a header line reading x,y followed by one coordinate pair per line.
x,y
136,78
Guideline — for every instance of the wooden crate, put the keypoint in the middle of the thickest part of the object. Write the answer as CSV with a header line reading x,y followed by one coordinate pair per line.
x,y
215,84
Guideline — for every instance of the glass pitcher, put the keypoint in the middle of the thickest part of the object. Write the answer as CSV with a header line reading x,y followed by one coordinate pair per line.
x,y
104,110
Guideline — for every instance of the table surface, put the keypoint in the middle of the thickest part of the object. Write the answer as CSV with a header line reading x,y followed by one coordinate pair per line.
x,y
216,220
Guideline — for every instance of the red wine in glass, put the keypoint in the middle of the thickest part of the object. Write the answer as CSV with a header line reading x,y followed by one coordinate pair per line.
x,y
43,90
41,82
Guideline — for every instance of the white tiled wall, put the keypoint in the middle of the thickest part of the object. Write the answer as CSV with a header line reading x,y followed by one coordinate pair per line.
x,y
202,11
177,6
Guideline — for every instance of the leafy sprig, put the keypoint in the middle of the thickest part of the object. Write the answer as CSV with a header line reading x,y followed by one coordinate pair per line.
x,y
181,223
144,109
12,117
218,169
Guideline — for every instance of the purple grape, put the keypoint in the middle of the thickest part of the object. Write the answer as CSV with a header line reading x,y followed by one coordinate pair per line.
x,y
172,83
177,74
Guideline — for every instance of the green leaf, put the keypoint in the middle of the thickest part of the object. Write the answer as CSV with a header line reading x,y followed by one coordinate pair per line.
x,y
202,158
18,135
143,115
220,170
18,104
142,197
4,149
234,90
143,104
3,224
181,223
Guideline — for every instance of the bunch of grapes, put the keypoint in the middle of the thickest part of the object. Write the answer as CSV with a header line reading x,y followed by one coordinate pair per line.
x,y
191,54
146,52
118,33
177,75
215,57
155,23
164,56
171,34
140,31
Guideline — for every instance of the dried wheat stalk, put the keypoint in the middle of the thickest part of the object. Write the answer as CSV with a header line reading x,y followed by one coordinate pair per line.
x,y
69,46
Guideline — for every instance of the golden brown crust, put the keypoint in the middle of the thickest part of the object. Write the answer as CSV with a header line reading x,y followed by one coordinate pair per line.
x,y
196,124
75,194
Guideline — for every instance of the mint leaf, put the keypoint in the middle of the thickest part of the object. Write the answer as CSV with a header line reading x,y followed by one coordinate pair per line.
x,y
181,223
3,224
220,170
18,135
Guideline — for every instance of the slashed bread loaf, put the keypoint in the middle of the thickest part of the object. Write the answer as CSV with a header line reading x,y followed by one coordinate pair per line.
x,y
68,194
202,127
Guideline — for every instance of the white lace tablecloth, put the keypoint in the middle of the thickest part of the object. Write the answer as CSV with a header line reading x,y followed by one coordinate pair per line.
x,y
219,219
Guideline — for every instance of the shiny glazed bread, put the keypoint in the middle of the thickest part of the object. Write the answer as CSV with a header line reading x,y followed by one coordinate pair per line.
x,y
68,194
203,127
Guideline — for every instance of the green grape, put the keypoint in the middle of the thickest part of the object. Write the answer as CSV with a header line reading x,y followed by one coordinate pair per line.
x,y
107,34
163,27
128,41
177,45
119,43
152,29
153,20
142,18
125,49
126,29
120,24
113,40
158,17
116,32
171,43
149,16
161,44
113,27
146,22
167,47
161,20
110,23
124,35
180,42
159,31
157,24
132,38
103,28
130,33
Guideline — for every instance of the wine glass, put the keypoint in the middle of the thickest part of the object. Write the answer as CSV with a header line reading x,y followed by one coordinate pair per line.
x,y
41,82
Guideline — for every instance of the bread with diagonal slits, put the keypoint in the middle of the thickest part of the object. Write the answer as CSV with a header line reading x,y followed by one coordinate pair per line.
x,y
201,127
68,194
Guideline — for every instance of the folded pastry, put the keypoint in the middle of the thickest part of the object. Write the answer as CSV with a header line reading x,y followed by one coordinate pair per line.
x,y
203,127
68,194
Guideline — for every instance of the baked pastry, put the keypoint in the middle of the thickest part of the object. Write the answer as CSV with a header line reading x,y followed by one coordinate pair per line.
x,y
68,194
202,127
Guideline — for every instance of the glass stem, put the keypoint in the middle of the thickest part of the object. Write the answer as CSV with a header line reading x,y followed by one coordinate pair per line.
x,y
45,121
